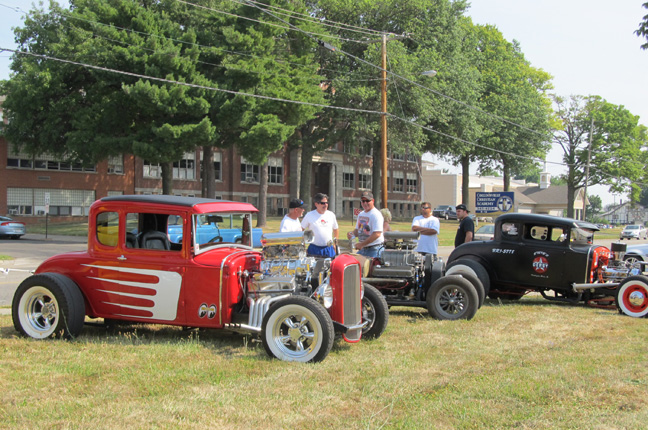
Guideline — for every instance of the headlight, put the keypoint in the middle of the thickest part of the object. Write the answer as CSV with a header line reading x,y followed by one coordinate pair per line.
x,y
324,295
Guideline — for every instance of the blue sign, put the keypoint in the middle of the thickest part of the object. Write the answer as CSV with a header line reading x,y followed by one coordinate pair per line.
x,y
487,203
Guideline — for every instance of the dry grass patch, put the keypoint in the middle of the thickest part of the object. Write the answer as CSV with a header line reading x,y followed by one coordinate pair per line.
x,y
530,364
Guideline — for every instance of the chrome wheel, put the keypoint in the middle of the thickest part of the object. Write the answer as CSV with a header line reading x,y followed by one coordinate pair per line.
x,y
38,311
298,329
632,296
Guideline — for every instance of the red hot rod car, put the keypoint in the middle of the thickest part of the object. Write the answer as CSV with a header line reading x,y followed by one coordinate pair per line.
x,y
132,272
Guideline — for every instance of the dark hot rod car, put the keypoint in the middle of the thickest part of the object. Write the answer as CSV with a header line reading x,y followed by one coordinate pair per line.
x,y
557,258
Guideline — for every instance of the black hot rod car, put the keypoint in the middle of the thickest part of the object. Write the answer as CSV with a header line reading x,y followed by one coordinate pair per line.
x,y
556,257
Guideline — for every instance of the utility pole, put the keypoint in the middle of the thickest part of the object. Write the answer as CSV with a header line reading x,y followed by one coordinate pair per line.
x,y
383,121
589,156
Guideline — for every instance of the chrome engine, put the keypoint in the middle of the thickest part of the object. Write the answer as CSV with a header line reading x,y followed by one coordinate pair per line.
x,y
286,270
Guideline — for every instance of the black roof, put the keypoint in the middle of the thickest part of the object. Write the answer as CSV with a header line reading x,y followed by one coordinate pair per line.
x,y
161,199
548,219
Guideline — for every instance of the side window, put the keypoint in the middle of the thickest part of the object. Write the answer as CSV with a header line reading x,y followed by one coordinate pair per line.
x,y
108,228
510,230
539,232
558,235
151,231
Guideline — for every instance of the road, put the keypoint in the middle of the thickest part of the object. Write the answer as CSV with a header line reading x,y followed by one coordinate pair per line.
x,y
28,253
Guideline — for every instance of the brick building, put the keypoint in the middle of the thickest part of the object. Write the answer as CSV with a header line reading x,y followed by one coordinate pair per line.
x,y
25,181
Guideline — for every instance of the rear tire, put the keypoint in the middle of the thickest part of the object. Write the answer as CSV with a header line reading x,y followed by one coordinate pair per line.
x,y
374,310
479,287
632,296
452,298
48,305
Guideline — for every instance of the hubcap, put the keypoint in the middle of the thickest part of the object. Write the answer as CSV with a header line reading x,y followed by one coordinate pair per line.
x,y
637,298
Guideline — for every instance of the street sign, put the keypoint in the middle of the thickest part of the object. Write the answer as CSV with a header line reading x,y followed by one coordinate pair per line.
x,y
497,202
47,203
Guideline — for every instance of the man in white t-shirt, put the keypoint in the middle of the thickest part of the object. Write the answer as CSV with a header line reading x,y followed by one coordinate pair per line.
x,y
428,226
323,223
290,221
369,228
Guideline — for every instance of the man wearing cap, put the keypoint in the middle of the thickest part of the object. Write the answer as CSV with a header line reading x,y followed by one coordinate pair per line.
x,y
290,221
323,223
466,228
369,227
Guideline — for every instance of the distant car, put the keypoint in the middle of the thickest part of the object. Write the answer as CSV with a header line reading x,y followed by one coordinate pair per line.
x,y
485,232
636,253
634,231
11,228
445,212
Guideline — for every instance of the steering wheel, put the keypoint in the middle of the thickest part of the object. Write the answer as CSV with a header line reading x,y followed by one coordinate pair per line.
x,y
216,239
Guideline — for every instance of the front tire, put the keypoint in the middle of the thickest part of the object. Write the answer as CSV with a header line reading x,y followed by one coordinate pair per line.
x,y
452,298
474,268
632,296
374,310
48,305
297,329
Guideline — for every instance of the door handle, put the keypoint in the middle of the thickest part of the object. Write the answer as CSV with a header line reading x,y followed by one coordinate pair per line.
x,y
121,258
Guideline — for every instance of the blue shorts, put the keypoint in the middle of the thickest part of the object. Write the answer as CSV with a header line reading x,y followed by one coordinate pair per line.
x,y
321,251
371,251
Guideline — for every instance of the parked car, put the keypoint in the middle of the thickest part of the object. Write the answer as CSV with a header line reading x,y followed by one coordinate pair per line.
x,y
215,228
485,232
557,258
407,278
11,228
295,304
636,253
445,212
634,231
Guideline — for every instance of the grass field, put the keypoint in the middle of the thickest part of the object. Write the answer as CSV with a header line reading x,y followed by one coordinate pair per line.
x,y
529,365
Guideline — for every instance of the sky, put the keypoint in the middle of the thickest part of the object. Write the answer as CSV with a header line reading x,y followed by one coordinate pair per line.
x,y
588,46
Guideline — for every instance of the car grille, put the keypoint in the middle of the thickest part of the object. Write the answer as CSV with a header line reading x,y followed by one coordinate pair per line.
x,y
352,305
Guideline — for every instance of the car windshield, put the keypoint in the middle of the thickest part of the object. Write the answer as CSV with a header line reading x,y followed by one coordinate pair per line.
x,y
632,227
212,229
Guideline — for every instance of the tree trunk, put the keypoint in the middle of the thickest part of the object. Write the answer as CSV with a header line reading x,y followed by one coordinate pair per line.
x,y
465,180
306,170
263,196
506,171
208,180
167,177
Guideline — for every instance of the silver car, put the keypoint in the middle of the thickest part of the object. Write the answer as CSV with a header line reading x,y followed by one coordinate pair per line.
x,y
634,231
485,232
11,228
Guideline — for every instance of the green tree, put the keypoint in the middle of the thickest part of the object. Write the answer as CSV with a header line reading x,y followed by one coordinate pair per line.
x,y
595,205
87,114
642,31
616,156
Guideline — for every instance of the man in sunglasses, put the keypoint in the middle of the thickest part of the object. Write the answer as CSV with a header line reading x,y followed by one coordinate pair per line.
x,y
323,223
290,221
369,228
428,226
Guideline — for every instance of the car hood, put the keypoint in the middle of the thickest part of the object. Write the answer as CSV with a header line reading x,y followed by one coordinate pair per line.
x,y
216,257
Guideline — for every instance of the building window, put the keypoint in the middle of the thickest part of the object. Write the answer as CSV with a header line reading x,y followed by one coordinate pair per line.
x,y
116,164
398,157
364,178
249,172
412,158
31,201
183,169
398,182
412,183
348,177
275,170
22,160
218,166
